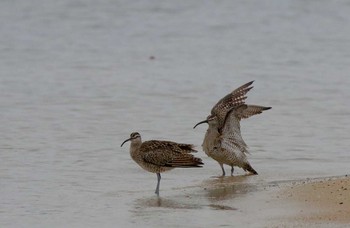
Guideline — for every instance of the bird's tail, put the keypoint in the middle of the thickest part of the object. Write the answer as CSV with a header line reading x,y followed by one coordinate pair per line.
x,y
249,168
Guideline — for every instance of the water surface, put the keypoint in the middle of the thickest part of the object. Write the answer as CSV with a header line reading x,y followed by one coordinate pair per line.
x,y
77,78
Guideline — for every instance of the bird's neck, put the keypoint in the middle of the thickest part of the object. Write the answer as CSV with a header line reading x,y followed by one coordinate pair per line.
x,y
134,149
211,139
213,131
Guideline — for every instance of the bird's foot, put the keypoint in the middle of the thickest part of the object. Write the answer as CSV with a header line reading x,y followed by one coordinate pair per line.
x,y
157,193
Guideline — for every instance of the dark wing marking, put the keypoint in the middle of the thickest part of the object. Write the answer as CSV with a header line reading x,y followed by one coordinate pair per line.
x,y
236,97
231,100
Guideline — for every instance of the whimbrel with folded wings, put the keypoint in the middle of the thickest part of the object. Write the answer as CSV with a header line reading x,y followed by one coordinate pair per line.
x,y
159,156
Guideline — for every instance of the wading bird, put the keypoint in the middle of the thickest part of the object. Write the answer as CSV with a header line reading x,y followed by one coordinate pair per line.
x,y
223,140
159,156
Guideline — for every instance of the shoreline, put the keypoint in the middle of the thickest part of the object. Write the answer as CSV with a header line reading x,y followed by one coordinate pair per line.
x,y
319,201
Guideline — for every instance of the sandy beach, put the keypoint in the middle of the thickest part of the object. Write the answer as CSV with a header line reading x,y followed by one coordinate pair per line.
x,y
315,203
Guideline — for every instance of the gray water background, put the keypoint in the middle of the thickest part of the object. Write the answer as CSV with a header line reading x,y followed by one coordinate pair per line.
x,y
77,78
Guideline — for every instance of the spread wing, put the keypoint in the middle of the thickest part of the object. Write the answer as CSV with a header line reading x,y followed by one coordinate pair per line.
x,y
169,154
231,133
247,111
235,98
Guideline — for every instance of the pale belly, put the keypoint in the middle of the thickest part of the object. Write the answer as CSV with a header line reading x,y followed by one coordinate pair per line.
x,y
230,158
212,147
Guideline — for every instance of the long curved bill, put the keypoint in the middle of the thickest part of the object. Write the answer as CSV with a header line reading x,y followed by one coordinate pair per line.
x,y
204,121
125,141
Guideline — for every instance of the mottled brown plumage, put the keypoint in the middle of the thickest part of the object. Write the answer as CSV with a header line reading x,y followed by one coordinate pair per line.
x,y
159,156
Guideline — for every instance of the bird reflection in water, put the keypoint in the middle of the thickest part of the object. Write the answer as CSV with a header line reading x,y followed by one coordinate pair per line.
x,y
179,203
227,188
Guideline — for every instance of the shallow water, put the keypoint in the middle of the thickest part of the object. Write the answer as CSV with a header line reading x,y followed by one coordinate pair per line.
x,y
77,78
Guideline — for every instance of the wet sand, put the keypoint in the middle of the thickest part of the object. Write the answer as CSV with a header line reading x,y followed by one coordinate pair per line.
x,y
320,201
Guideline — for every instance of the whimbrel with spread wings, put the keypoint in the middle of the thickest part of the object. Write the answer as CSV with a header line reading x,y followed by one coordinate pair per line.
x,y
223,140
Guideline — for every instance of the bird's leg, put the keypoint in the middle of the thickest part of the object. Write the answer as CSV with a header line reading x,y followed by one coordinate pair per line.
x,y
157,189
232,170
223,170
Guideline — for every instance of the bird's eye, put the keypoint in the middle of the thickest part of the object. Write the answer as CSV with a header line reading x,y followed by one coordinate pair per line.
x,y
134,135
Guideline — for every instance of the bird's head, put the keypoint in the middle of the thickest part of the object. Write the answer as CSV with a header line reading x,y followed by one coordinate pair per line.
x,y
134,137
212,120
